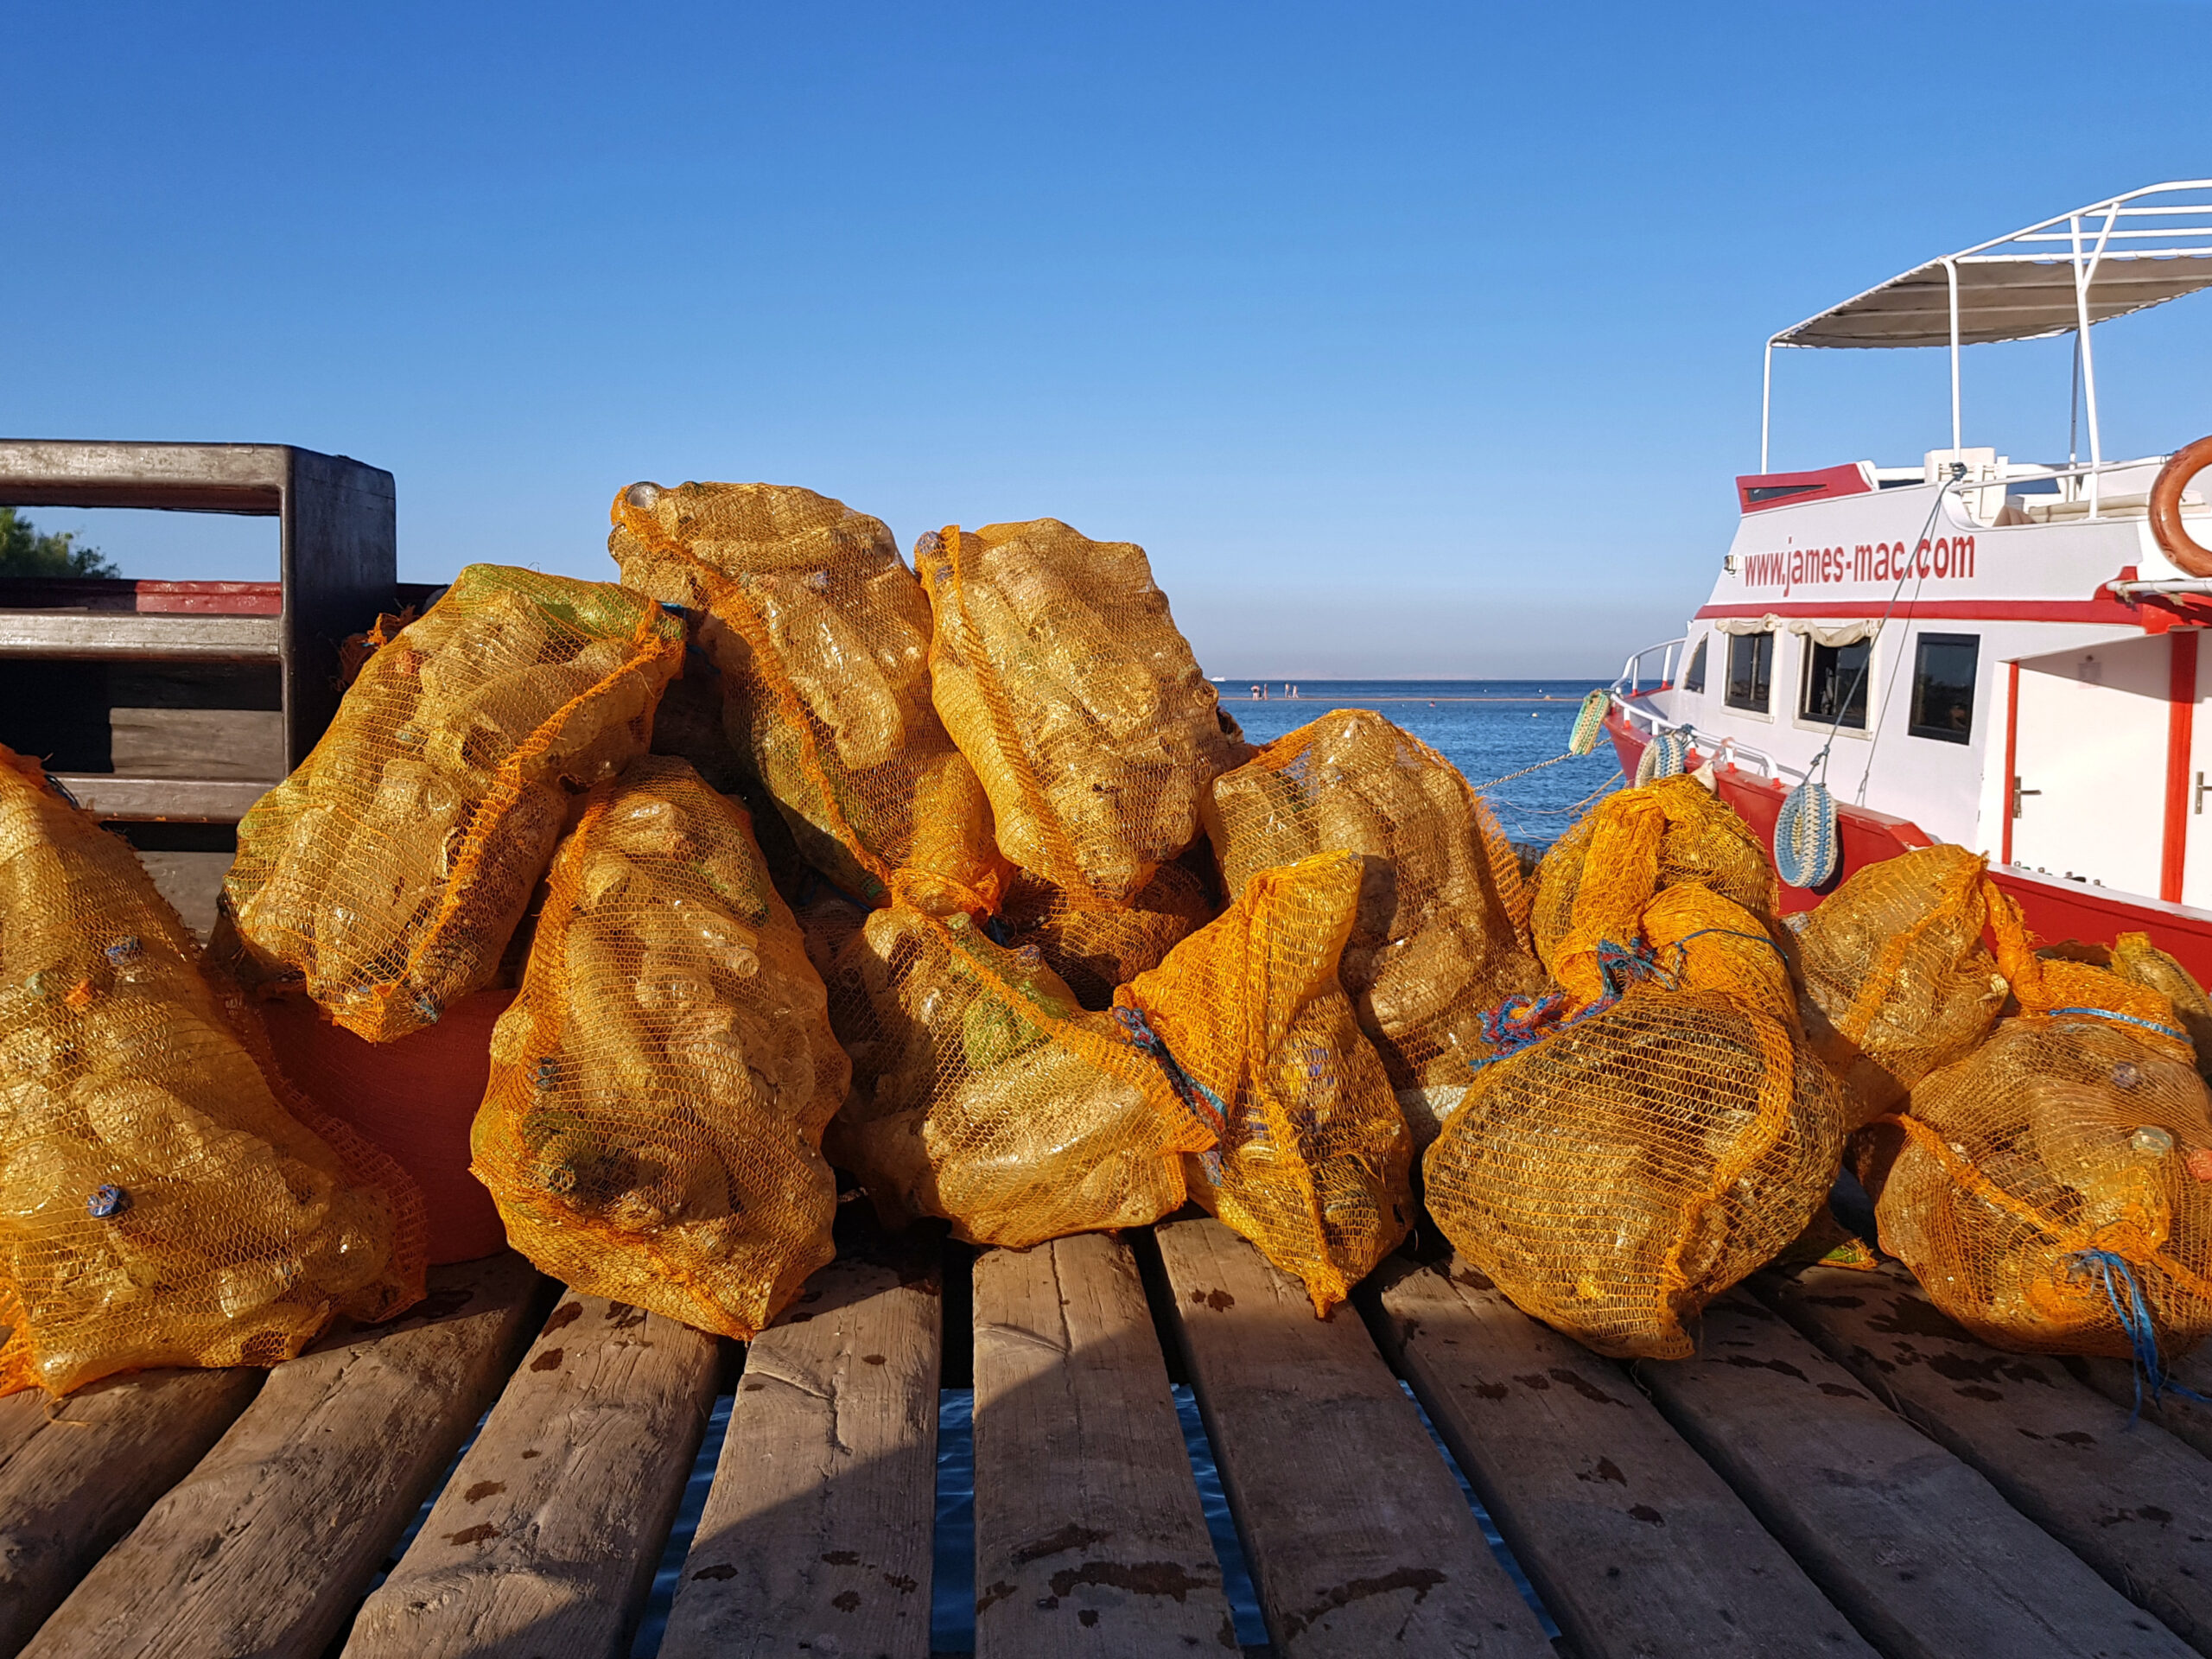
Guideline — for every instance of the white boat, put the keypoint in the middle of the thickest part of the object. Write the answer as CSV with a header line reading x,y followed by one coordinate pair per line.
x,y
1995,654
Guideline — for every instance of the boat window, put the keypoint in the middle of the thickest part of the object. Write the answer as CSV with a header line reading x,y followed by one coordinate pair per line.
x,y
1835,684
1942,686
1751,670
1694,680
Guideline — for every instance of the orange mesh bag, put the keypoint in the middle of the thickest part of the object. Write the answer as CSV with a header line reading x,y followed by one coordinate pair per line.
x,y
1898,982
387,872
652,1128
165,1198
821,636
1061,675
2052,1191
982,1093
1703,842
1314,1158
2135,959
1099,949
1635,1160
1433,944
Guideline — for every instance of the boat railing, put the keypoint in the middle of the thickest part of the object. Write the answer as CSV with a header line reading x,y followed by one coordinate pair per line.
x,y
1726,751
1630,683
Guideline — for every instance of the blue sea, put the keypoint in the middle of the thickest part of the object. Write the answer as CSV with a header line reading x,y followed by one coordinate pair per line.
x,y
1490,729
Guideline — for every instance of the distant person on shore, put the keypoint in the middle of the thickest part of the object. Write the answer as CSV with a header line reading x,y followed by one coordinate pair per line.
x,y
1259,693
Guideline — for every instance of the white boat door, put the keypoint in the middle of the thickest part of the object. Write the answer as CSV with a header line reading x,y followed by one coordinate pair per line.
x,y
2089,784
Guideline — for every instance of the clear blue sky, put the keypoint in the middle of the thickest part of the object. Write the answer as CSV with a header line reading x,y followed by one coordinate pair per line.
x,y
1409,340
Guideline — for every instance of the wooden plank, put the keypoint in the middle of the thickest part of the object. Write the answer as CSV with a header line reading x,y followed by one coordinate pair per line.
x,y
77,1476
1089,1538
544,1541
264,1548
1636,1546
2136,1504
1359,1540
1919,1552
2188,1420
112,634
818,1526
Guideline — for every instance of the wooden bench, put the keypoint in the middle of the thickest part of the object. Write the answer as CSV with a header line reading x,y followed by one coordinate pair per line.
x,y
1840,1472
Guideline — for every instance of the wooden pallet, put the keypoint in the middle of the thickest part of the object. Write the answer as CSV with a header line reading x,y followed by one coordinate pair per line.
x,y
1840,1472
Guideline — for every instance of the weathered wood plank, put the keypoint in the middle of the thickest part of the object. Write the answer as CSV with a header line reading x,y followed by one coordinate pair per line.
x,y
263,1547
1359,1540
817,1528
1919,1552
1636,1546
2136,1505
76,1477
1090,1539
2188,1420
543,1543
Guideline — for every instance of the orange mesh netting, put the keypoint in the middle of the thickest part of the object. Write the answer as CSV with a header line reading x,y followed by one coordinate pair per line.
x,y
983,1094
2136,959
1644,841
1434,945
653,1125
1314,1156
822,635
1896,980
2054,1188
165,1199
1061,675
1653,1149
387,872
1098,951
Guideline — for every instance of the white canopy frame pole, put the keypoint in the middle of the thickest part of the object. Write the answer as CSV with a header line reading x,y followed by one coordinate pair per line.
x,y
1951,272
1766,405
2084,276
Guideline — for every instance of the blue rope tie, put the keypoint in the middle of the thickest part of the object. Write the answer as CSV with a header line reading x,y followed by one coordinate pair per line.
x,y
1522,1021
2134,1317
2106,1014
1205,1105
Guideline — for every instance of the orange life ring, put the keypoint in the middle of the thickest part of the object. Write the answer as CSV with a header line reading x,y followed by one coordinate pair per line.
x,y
2165,508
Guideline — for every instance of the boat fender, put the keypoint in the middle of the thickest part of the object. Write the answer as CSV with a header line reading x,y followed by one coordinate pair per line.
x,y
1589,723
2174,477
1806,846
1666,756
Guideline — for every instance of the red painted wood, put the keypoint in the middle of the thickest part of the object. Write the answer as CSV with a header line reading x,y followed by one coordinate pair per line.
x,y
148,598
2181,720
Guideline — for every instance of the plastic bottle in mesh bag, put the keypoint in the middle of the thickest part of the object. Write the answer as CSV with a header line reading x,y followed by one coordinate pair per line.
x,y
1668,1135
652,1130
165,1198
1061,675
1705,843
1315,1157
822,635
983,1094
1097,949
1435,943
1896,980
2052,1190
387,872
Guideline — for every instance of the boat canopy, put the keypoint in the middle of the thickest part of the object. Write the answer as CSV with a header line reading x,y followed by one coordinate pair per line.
x,y
2060,276
2121,255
